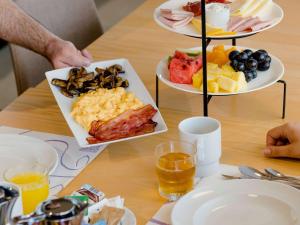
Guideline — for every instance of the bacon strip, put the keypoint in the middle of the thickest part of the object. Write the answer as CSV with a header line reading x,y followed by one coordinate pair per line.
x,y
129,123
146,128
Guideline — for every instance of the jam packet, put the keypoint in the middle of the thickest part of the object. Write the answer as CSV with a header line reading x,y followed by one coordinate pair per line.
x,y
92,193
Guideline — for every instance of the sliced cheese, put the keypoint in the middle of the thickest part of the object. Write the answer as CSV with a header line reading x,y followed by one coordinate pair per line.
x,y
244,7
262,8
210,30
260,5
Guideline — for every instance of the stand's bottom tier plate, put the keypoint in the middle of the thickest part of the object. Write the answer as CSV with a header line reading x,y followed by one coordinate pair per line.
x,y
263,80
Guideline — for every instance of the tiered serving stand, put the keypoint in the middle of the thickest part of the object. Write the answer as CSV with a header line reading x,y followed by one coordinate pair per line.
x,y
205,43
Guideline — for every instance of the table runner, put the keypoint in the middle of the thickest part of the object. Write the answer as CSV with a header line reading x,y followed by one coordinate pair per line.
x,y
163,215
72,158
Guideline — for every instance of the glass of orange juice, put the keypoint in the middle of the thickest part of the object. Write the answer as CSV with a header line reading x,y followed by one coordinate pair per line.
x,y
175,167
33,183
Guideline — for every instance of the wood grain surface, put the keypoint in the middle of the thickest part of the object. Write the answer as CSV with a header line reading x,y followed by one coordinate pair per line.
x,y
127,168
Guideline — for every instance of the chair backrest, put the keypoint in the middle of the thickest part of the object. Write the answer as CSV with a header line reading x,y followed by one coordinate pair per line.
x,y
73,20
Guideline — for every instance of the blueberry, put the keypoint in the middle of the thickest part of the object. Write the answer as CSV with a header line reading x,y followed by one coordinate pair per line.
x,y
233,54
268,59
251,64
248,52
242,57
259,56
240,66
248,75
254,74
262,50
263,66
234,63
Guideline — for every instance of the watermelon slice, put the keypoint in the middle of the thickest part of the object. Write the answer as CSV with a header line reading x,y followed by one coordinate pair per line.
x,y
182,67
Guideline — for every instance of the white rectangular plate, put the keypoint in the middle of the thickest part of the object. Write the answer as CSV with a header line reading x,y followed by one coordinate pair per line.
x,y
135,85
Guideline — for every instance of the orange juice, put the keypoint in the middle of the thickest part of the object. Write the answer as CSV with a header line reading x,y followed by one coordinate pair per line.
x,y
34,187
176,171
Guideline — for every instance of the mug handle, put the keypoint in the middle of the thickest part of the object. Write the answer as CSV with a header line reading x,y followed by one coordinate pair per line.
x,y
200,150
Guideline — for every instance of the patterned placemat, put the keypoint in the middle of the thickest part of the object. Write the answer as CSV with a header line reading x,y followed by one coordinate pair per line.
x,y
72,158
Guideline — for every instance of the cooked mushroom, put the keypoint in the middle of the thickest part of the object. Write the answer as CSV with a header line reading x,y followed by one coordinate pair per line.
x,y
80,81
59,83
66,93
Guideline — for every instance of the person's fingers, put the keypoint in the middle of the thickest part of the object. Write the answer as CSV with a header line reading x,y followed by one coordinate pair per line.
x,y
86,54
274,134
281,151
77,60
59,65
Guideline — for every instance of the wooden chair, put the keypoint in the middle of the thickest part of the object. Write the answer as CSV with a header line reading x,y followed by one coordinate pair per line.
x,y
73,20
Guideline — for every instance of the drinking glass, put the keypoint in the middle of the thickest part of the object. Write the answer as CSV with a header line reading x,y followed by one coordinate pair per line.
x,y
175,168
33,183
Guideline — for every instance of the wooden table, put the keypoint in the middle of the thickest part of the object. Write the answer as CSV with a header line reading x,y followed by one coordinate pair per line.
x,y
127,168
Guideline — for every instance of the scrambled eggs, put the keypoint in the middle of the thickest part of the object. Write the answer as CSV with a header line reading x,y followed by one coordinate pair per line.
x,y
103,104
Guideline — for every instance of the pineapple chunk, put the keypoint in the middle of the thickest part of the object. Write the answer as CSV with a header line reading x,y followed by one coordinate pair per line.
x,y
228,68
227,84
239,77
213,87
197,80
212,66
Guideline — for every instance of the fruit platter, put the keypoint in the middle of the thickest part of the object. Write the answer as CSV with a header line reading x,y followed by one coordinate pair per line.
x,y
230,70
225,19
105,103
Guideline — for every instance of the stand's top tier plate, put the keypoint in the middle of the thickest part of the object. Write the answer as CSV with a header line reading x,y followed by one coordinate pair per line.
x,y
274,13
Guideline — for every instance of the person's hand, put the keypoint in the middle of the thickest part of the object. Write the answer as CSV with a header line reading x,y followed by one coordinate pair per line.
x,y
284,141
64,54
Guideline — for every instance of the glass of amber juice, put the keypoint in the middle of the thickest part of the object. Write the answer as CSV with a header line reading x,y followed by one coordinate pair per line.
x,y
175,167
33,183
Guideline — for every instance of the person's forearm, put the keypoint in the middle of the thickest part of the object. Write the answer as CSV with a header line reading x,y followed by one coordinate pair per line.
x,y
19,28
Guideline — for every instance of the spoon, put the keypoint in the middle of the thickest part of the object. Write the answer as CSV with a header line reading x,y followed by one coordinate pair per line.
x,y
280,175
252,173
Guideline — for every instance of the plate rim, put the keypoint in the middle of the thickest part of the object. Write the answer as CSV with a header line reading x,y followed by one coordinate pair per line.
x,y
224,37
195,91
33,139
146,92
212,186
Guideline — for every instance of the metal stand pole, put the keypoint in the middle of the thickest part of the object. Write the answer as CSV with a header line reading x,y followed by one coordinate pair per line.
x,y
233,42
204,67
284,97
157,91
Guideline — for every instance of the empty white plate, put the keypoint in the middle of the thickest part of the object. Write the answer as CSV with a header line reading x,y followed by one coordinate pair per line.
x,y
18,150
239,202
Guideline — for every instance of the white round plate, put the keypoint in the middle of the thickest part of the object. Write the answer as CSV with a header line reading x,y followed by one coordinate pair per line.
x,y
23,150
128,218
275,13
263,80
239,202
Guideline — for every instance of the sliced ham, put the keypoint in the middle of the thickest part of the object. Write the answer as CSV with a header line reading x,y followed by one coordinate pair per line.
x,y
239,24
244,26
175,18
174,23
236,22
261,25
175,12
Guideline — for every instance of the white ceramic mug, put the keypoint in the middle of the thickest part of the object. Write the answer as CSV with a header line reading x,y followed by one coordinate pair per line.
x,y
205,134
